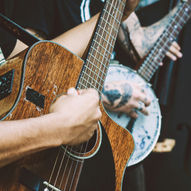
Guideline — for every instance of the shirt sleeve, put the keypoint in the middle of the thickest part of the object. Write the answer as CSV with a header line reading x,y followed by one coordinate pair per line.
x,y
7,42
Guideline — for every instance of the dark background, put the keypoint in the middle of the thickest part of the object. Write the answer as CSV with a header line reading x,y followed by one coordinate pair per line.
x,y
171,171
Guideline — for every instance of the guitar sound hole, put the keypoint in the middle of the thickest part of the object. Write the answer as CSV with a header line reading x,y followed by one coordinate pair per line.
x,y
86,149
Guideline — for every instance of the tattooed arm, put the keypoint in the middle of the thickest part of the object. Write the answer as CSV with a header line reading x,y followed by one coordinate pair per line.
x,y
143,38
124,96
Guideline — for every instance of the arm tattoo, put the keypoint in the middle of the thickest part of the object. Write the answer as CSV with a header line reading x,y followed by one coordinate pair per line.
x,y
115,94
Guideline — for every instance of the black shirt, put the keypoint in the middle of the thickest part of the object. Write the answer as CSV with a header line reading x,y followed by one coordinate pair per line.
x,y
51,17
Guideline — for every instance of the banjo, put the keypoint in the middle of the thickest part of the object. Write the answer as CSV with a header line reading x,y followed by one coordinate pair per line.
x,y
146,129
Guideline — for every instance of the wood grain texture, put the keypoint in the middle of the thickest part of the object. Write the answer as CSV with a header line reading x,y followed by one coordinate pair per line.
x,y
122,146
51,70
16,64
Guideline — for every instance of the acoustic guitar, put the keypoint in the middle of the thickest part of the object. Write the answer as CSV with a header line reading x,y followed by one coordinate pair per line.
x,y
32,80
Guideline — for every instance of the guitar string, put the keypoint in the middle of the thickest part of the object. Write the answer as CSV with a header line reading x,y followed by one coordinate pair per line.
x,y
148,64
173,29
56,161
178,22
145,69
59,171
71,166
86,85
151,58
75,176
76,165
99,85
86,144
152,53
60,166
54,166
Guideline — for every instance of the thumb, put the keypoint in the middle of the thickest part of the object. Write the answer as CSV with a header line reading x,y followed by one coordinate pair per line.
x,y
72,91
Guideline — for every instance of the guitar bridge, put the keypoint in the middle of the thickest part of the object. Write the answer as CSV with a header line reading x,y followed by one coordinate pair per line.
x,y
6,81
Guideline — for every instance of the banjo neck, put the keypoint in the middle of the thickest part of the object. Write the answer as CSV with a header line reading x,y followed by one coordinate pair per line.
x,y
158,52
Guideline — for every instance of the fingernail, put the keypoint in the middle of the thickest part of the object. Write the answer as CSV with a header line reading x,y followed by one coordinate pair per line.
x,y
180,55
72,91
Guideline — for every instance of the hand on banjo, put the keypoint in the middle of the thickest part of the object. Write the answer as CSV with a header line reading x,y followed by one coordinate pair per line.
x,y
127,97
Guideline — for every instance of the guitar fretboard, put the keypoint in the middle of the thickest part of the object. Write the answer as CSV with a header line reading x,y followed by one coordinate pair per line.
x,y
97,62
156,55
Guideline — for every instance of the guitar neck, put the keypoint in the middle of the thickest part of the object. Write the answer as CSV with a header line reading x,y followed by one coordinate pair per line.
x,y
157,54
97,61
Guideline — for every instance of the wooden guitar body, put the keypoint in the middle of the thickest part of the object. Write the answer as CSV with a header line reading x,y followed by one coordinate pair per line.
x,y
47,71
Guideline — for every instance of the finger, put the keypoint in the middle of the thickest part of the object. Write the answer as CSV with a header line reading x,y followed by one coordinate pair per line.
x,y
92,130
133,114
144,111
99,114
176,45
171,56
141,107
72,91
145,99
93,93
175,51
89,92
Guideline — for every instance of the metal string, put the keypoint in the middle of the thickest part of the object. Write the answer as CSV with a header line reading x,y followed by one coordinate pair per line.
x,y
70,150
153,56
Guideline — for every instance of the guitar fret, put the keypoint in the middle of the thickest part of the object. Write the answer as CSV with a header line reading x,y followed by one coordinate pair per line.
x,y
97,61
122,4
103,57
112,16
87,60
184,17
103,66
100,45
88,85
94,58
112,27
103,39
156,55
113,38
82,86
104,60
89,79
94,73
146,70
145,74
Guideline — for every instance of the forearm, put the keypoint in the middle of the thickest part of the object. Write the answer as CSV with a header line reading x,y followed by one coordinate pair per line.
x,y
23,137
76,39
142,38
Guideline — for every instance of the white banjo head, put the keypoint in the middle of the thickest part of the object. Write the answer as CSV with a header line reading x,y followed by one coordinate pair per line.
x,y
146,129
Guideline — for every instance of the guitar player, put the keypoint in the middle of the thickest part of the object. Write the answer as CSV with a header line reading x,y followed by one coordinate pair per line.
x,y
68,39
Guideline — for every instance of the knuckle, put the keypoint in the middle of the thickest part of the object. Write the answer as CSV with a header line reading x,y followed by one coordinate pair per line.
x,y
94,94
